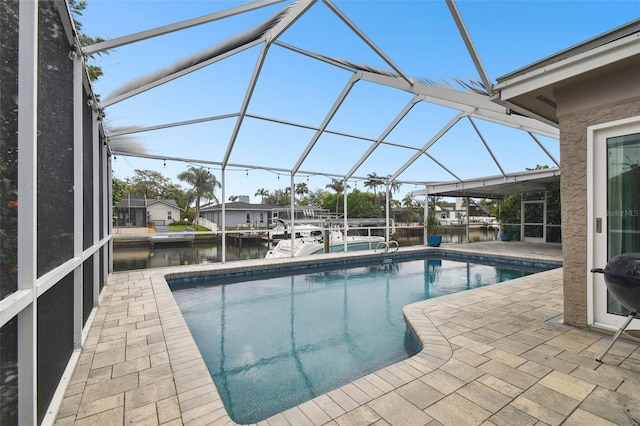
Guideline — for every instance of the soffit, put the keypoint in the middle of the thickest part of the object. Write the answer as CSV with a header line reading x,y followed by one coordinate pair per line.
x,y
530,90
497,186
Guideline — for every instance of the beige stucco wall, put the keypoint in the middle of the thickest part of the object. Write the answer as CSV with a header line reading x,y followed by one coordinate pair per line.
x,y
598,100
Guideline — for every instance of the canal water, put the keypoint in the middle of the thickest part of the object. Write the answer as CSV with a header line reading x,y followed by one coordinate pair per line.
x,y
127,258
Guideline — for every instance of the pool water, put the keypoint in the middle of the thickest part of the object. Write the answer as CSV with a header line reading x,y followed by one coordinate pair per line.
x,y
272,343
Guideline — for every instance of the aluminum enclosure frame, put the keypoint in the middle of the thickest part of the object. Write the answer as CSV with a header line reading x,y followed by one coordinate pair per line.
x,y
473,104
470,102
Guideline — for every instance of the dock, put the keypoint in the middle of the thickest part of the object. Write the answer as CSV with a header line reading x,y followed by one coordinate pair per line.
x,y
164,236
172,238
240,239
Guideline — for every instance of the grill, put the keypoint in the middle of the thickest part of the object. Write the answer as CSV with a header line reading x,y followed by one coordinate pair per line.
x,y
622,277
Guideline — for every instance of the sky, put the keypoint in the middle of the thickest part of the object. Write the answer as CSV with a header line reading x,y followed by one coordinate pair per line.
x,y
420,37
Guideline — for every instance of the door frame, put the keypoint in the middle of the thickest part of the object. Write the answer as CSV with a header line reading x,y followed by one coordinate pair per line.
x,y
597,242
524,223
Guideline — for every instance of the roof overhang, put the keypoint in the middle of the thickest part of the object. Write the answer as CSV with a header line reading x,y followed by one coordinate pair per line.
x,y
530,90
496,186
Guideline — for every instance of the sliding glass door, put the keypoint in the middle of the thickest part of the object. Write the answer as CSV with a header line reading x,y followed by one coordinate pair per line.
x,y
615,198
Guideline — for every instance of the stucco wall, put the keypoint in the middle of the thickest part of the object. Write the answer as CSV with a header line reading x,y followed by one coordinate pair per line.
x,y
573,122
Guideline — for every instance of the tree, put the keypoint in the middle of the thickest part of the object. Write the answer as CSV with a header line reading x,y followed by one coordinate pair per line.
x,y
181,196
279,197
373,182
188,197
262,193
118,189
149,183
301,189
394,186
407,215
490,204
338,187
317,198
204,185
511,212
361,205
233,198
77,7
407,201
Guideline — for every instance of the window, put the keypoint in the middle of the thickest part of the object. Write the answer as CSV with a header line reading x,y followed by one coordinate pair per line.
x,y
169,215
248,217
261,217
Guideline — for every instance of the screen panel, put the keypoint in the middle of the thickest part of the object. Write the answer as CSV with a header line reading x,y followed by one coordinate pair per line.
x,y
55,339
87,288
8,147
9,373
87,172
55,142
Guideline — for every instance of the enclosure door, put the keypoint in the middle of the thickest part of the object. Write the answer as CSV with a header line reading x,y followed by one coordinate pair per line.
x,y
614,217
533,221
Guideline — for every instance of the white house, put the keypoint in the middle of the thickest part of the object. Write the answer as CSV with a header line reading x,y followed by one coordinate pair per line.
x,y
244,214
162,212
239,214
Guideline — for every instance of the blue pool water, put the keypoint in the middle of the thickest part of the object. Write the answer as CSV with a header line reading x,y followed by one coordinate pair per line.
x,y
273,342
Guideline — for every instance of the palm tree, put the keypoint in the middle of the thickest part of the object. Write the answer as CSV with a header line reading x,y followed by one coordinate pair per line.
x,y
262,193
407,201
338,187
301,189
188,198
204,185
373,182
394,186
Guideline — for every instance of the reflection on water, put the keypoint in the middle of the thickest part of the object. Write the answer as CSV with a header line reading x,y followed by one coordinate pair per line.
x,y
128,258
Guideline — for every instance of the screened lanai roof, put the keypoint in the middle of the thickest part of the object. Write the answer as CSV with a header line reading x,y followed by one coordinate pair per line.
x,y
268,99
496,186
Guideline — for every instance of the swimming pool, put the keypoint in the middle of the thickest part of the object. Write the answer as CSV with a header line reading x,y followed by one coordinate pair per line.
x,y
273,342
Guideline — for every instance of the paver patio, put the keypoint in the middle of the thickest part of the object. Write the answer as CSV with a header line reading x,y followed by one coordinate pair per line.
x,y
496,355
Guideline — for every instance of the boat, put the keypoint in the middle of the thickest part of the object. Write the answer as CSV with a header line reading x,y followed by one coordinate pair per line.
x,y
282,231
307,246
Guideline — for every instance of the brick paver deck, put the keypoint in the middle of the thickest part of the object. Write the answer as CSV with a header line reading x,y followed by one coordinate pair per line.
x,y
496,355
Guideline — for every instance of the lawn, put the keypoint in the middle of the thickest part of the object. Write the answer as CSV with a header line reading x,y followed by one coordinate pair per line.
x,y
177,228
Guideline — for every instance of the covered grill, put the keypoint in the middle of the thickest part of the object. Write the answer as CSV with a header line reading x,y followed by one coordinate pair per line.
x,y
622,277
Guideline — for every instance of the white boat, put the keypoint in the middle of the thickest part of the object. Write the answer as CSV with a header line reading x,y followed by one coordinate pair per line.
x,y
307,246
282,231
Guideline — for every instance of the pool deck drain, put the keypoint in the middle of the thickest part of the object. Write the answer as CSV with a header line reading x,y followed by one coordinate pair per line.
x,y
494,355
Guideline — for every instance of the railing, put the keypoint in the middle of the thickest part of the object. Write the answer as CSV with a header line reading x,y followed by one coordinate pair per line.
x,y
387,245
208,224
